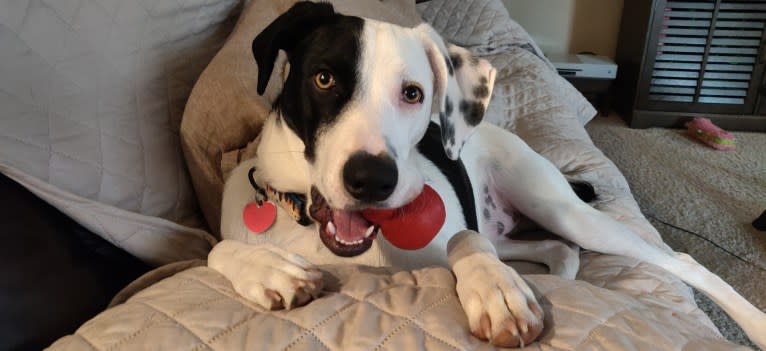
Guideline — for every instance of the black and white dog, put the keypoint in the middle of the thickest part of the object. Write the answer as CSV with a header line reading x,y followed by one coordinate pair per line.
x,y
354,128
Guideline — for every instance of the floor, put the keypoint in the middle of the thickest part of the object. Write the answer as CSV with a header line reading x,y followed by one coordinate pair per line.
x,y
701,200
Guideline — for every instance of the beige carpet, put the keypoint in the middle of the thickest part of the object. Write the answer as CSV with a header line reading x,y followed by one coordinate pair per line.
x,y
701,200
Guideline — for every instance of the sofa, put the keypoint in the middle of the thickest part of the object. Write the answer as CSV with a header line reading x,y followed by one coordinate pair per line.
x,y
127,117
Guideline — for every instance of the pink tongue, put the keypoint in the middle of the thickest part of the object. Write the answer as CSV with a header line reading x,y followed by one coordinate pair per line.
x,y
350,226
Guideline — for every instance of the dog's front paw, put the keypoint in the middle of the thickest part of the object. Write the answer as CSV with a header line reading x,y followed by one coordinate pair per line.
x,y
267,275
499,304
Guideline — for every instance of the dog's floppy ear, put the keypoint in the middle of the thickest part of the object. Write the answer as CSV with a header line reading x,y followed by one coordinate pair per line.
x,y
286,31
462,87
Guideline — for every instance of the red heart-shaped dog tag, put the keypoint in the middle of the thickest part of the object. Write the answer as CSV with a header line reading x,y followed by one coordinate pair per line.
x,y
258,219
412,226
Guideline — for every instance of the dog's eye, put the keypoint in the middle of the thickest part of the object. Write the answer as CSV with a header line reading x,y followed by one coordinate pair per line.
x,y
324,80
412,94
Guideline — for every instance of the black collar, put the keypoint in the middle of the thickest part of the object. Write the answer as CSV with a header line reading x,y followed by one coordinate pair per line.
x,y
293,203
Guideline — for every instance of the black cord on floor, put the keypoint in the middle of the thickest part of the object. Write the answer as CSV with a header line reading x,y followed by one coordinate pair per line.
x,y
708,240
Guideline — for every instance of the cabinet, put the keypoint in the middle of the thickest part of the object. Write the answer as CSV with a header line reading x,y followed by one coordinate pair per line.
x,y
680,58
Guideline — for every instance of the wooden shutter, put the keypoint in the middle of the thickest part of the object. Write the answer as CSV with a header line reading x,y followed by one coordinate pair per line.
x,y
707,56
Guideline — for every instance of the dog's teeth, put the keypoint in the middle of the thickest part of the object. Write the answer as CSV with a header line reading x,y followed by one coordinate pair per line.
x,y
341,240
331,227
369,231
344,242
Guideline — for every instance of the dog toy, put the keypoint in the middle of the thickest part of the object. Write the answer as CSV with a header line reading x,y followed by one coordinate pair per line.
x,y
414,225
707,132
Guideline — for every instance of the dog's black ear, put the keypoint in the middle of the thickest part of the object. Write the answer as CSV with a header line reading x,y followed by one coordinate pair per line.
x,y
462,88
286,31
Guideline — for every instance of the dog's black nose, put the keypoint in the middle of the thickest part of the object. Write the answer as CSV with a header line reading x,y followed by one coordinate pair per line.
x,y
370,178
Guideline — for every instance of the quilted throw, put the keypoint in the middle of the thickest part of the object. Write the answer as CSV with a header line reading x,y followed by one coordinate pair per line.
x,y
620,305
91,98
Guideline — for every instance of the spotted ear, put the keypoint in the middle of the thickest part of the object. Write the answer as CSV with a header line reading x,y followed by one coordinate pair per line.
x,y
462,88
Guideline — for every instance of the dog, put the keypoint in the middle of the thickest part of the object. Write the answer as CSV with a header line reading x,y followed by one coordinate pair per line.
x,y
370,117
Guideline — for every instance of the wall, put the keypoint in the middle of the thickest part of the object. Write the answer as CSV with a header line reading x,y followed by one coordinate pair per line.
x,y
570,26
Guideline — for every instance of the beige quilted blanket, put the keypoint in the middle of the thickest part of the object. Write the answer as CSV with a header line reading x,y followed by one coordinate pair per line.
x,y
619,305
615,304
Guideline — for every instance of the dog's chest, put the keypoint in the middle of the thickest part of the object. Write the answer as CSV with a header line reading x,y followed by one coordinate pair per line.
x,y
469,193
458,181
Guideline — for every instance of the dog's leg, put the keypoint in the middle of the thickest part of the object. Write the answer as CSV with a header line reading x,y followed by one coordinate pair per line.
x,y
499,304
540,191
562,260
267,275
497,217
596,231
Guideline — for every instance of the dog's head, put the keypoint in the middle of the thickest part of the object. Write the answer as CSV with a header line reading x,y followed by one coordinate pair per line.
x,y
359,96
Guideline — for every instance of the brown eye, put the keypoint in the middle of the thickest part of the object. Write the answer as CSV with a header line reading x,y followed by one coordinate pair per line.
x,y
412,94
324,80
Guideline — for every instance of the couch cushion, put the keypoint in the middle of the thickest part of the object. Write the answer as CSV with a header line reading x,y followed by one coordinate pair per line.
x,y
91,98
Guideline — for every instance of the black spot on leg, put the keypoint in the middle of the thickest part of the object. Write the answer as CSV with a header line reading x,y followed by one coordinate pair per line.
x,y
486,213
486,189
448,107
500,228
483,80
490,202
457,61
450,67
472,111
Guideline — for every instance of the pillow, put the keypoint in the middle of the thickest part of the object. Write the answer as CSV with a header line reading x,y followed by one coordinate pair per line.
x,y
93,92
481,26
224,113
91,99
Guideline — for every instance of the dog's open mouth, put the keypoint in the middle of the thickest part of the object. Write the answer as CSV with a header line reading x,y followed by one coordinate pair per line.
x,y
345,233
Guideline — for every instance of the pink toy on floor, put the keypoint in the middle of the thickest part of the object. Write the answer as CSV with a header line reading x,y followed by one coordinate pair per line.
x,y
707,132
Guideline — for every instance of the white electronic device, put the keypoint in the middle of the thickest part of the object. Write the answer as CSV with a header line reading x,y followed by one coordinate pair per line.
x,y
584,66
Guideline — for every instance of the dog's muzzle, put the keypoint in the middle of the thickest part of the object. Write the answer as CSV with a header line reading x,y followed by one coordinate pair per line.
x,y
345,233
